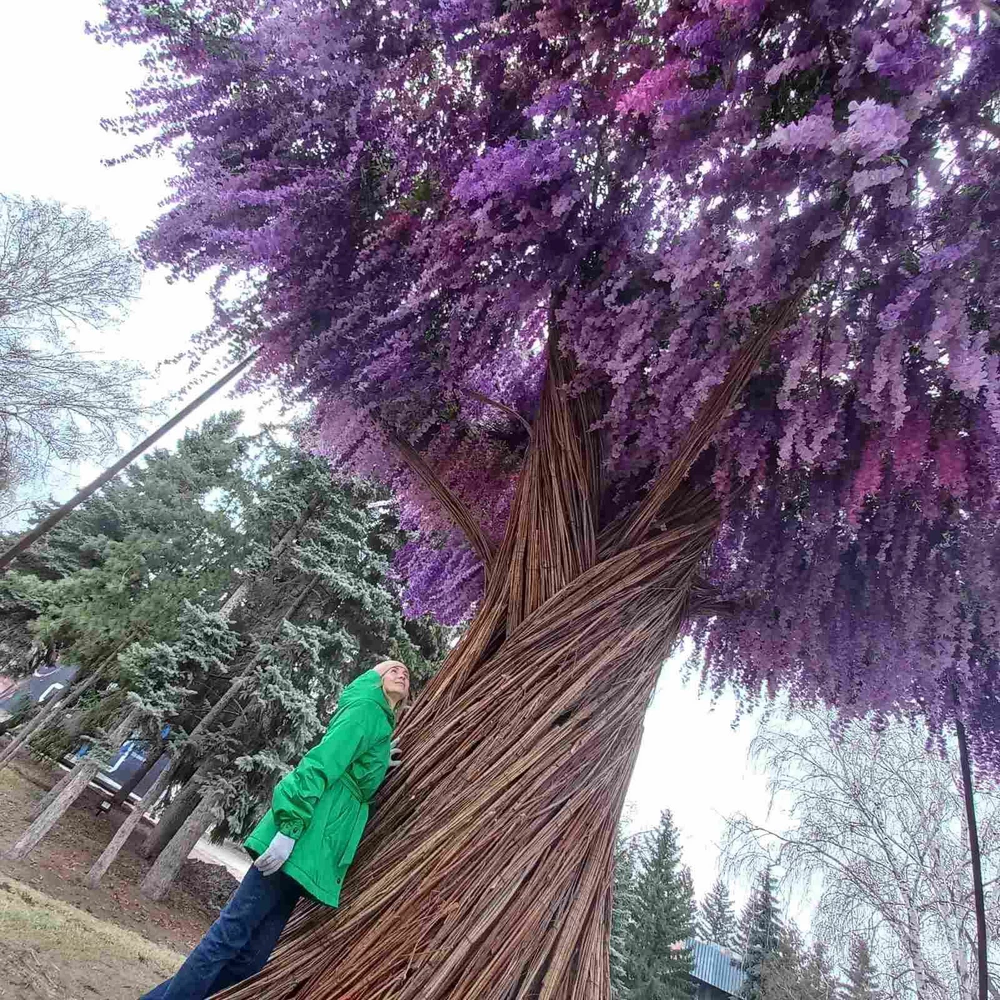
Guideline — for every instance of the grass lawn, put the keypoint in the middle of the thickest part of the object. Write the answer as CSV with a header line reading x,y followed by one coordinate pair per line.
x,y
49,949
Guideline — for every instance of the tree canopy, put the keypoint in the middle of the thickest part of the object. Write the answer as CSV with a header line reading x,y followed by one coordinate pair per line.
x,y
119,568
787,207
59,269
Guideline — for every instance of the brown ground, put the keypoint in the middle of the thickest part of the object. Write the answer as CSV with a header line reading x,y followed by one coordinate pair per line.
x,y
57,868
53,951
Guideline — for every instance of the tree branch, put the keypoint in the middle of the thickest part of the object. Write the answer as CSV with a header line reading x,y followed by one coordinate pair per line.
x,y
552,534
503,407
636,527
459,513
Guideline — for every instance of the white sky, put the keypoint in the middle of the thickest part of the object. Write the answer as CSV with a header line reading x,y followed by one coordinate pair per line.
x,y
57,84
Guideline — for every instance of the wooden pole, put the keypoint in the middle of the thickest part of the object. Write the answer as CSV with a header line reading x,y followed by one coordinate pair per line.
x,y
977,864
132,820
45,526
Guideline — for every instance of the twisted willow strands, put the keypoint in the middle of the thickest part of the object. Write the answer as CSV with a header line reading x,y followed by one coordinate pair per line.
x,y
486,869
535,799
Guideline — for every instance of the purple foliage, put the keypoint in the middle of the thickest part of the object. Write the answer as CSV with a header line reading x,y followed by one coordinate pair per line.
x,y
412,190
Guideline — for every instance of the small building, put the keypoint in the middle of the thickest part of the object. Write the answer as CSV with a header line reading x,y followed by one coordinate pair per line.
x,y
717,971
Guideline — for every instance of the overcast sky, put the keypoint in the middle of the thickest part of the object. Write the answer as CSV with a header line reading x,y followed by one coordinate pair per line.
x,y
57,85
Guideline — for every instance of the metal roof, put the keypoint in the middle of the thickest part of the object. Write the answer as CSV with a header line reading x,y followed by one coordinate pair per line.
x,y
719,967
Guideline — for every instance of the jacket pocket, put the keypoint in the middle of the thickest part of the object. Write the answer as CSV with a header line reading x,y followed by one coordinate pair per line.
x,y
357,828
338,830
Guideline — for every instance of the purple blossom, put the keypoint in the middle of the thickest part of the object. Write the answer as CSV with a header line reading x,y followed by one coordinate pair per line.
x,y
811,132
862,180
413,187
655,87
874,130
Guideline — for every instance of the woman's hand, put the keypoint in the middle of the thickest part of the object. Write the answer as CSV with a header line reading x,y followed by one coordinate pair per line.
x,y
395,759
276,855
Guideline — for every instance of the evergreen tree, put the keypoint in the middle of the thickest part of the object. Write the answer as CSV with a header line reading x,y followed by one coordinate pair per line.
x,y
622,911
123,564
760,934
796,972
783,975
819,981
128,565
862,977
716,919
19,652
162,676
657,965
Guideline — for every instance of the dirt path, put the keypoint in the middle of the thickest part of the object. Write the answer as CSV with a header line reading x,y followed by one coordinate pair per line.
x,y
58,866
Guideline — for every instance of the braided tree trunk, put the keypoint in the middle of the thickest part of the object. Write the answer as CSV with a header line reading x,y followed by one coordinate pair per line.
x,y
486,871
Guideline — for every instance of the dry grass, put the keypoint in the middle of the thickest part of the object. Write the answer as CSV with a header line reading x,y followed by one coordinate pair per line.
x,y
50,949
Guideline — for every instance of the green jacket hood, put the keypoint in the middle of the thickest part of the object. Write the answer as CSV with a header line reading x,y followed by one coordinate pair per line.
x,y
367,687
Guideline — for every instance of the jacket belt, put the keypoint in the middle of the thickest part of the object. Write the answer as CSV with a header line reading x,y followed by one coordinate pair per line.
x,y
353,787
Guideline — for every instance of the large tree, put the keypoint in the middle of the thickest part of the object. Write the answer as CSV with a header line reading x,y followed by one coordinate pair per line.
x,y
656,313
59,268
876,827
657,964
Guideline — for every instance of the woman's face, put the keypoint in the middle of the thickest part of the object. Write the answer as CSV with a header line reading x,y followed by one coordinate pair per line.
x,y
395,681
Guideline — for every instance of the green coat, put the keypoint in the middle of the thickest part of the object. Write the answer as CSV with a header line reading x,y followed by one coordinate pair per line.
x,y
323,803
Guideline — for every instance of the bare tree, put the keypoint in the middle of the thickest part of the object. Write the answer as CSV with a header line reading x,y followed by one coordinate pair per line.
x,y
876,824
59,269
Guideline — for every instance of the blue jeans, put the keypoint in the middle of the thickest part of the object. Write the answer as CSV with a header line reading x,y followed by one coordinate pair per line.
x,y
239,943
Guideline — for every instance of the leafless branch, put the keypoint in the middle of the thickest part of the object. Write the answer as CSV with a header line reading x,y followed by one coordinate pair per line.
x,y
59,269
876,821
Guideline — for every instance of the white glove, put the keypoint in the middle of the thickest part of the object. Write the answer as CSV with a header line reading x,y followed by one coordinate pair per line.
x,y
394,755
276,854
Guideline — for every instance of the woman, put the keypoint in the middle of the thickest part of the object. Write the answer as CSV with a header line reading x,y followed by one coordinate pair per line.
x,y
307,840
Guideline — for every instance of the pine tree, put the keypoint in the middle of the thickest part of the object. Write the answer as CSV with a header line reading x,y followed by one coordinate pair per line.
x,y
162,676
760,933
657,965
862,976
18,648
122,565
716,919
622,911
783,975
819,980
796,972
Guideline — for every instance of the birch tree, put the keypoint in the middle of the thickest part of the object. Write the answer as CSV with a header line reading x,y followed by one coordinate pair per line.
x,y
59,269
876,818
